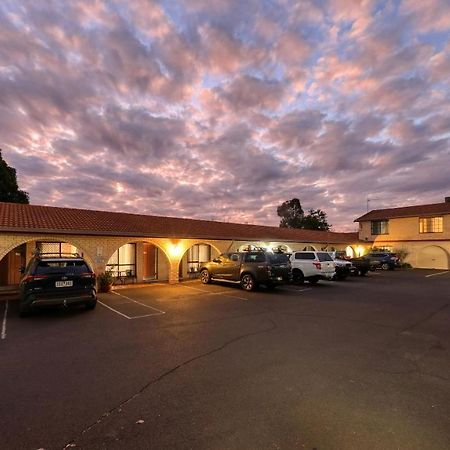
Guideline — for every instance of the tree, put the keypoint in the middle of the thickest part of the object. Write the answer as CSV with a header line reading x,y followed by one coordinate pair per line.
x,y
9,190
316,219
292,216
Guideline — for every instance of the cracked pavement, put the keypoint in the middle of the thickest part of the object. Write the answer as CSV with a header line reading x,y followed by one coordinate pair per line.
x,y
360,364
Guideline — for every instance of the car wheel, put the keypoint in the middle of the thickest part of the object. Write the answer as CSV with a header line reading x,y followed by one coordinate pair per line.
x,y
314,280
205,277
373,268
248,282
385,266
24,308
24,311
91,304
298,277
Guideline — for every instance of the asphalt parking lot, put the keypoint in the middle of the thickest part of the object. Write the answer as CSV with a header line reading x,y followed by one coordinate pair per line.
x,y
360,364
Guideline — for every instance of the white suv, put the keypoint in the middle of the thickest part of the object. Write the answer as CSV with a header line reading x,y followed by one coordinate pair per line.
x,y
312,266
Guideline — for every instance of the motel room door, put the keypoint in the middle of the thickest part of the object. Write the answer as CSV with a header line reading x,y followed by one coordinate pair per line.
x,y
10,266
150,265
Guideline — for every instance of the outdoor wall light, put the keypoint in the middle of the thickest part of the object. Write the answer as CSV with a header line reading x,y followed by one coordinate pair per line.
x,y
175,250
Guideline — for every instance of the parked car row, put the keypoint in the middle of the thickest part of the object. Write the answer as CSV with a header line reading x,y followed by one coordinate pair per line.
x,y
63,280
259,267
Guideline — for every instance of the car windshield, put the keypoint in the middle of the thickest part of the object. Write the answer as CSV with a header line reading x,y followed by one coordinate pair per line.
x,y
255,257
278,258
323,256
49,267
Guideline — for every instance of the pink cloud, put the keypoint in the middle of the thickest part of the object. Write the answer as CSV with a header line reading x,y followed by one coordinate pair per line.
x,y
432,15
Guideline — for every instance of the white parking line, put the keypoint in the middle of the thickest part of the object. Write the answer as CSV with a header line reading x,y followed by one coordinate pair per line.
x,y
115,310
286,288
435,274
216,293
185,297
139,303
4,321
158,313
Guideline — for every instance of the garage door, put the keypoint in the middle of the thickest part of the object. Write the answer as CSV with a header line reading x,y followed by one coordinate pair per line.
x,y
433,257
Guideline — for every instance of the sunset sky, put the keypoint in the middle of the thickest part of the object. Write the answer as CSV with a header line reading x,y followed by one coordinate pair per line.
x,y
223,109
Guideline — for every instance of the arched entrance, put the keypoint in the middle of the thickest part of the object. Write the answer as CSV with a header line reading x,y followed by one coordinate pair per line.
x,y
152,263
11,265
433,257
18,257
140,261
194,257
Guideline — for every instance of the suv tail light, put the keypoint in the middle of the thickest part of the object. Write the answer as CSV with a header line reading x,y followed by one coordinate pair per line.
x,y
88,275
29,278
318,265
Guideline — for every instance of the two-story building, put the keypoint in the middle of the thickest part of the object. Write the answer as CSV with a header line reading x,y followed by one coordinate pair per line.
x,y
423,231
142,248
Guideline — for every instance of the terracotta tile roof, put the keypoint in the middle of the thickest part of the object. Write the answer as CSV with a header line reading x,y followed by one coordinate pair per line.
x,y
406,211
48,219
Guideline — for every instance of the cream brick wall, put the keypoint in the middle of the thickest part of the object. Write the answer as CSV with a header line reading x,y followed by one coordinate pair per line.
x,y
404,234
98,249
406,228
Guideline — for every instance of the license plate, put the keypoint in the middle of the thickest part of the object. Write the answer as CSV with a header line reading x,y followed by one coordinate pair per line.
x,y
64,283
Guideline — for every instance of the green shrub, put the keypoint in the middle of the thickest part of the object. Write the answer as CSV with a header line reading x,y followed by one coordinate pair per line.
x,y
105,281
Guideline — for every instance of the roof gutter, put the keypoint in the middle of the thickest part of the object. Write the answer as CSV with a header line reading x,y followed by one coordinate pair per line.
x,y
149,235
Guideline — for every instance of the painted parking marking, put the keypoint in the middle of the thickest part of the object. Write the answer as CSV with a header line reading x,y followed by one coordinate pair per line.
x,y
189,296
3,335
435,274
157,312
288,288
112,309
119,287
139,303
216,293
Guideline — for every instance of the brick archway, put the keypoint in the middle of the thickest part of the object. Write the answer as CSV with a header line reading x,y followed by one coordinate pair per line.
x,y
20,240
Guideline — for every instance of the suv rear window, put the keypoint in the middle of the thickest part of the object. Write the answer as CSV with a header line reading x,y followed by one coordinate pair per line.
x,y
49,267
305,255
323,256
255,257
278,258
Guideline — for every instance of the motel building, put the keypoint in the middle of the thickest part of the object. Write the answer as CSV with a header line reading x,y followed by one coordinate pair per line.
x,y
422,230
144,249
141,248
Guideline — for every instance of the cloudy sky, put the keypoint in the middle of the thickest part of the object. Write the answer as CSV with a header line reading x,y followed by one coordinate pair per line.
x,y
223,109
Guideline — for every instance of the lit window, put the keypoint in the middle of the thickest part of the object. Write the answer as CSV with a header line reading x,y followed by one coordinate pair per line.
x,y
380,226
198,254
431,225
123,261
57,249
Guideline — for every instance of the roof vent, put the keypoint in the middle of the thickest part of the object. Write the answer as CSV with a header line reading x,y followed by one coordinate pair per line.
x,y
447,199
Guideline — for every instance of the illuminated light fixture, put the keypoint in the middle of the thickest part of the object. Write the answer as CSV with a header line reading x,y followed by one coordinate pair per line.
x,y
359,250
349,251
175,250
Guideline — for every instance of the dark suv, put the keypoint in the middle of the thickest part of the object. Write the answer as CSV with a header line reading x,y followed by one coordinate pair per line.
x,y
57,280
249,269
385,260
